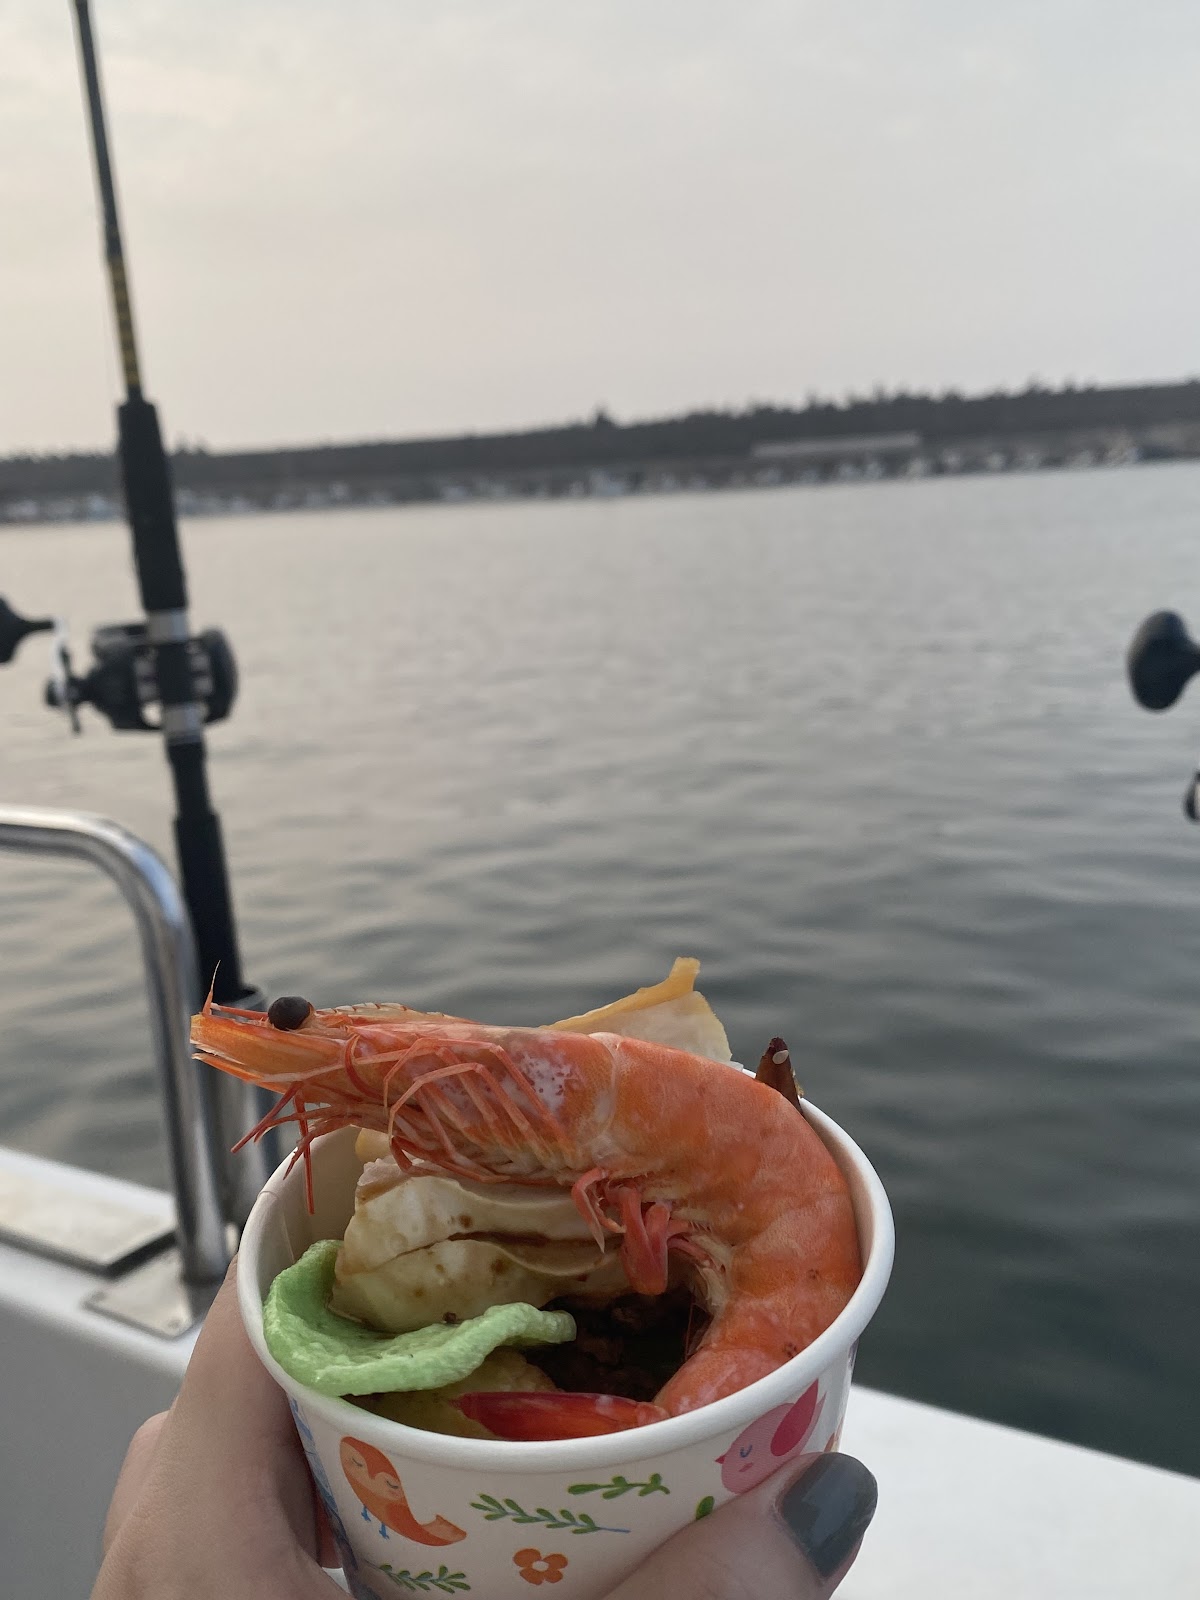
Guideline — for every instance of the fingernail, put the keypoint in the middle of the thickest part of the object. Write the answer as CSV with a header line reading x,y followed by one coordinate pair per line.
x,y
827,1510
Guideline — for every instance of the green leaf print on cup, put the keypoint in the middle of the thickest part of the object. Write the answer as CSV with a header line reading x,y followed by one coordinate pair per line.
x,y
424,1582
705,1508
618,1485
568,1521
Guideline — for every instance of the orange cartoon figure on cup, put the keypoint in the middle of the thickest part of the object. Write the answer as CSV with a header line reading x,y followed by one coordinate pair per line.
x,y
377,1484
762,1446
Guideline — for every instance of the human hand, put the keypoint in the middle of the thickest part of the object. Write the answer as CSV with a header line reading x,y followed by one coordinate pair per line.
x,y
214,1502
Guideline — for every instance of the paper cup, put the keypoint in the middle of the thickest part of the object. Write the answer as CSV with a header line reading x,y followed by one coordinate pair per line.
x,y
419,1513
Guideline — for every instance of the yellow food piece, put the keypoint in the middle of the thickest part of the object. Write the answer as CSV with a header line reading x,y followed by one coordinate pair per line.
x,y
430,1409
672,1012
372,1145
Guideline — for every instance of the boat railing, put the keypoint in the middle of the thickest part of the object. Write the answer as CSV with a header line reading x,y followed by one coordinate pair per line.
x,y
196,1125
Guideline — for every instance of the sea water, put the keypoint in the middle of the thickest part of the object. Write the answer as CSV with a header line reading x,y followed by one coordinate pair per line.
x,y
867,751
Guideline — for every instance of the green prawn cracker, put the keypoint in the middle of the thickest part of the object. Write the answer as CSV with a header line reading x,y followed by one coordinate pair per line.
x,y
335,1356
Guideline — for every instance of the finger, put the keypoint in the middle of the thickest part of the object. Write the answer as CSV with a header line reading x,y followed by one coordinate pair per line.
x,y
826,1510
792,1538
131,1480
227,1383
232,1422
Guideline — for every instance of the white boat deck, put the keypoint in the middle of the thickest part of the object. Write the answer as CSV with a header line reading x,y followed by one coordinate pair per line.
x,y
967,1510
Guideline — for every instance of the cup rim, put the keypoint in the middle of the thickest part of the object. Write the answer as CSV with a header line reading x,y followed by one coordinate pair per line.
x,y
608,1450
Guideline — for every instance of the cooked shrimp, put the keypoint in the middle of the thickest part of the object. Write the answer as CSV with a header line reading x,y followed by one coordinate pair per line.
x,y
682,1157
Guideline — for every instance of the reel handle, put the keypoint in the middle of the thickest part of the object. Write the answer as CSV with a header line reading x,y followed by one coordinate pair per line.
x,y
14,628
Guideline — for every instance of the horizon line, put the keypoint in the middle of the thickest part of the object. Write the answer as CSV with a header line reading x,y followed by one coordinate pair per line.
x,y
602,417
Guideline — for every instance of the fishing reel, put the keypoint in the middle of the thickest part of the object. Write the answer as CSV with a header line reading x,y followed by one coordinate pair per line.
x,y
1162,659
122,682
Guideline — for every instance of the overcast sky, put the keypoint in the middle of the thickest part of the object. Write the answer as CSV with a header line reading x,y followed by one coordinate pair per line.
x,y
361,218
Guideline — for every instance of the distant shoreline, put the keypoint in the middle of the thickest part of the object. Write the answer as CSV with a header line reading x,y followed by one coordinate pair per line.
x,y
901,436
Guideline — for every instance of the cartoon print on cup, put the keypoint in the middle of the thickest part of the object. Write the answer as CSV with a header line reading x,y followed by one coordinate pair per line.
x,y
535,1567
377,1484
443,1580
760,1447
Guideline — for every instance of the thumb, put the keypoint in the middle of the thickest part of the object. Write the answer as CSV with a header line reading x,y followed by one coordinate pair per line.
x,y
791,1538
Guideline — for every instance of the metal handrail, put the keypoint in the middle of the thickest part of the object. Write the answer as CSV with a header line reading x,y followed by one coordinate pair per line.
x,y
189,1092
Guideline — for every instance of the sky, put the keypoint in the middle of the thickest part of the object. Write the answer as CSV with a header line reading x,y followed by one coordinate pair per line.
x,y
380,218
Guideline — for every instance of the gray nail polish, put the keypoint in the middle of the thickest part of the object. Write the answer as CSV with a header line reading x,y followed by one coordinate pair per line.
x,y
827,1510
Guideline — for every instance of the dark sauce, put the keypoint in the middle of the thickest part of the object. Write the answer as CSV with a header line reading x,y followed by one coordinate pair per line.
x,y
630,1346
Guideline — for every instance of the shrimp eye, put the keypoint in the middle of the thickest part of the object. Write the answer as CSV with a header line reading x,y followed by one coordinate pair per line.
x,y
393,1484
745,1451
289,1012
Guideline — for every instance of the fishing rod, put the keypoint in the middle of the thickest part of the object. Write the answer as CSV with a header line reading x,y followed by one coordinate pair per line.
x,y
156,675
177,663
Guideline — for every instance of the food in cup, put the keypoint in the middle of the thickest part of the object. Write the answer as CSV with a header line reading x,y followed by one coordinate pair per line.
x,y
588,1509
643,1162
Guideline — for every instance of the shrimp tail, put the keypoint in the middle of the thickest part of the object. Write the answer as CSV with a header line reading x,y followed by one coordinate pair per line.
x,y
776,1071
535,1415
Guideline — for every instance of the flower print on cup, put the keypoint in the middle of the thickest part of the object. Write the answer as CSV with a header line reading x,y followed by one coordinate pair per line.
x,y
759,1448
535,1567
